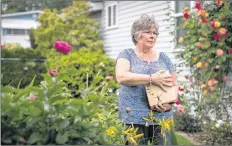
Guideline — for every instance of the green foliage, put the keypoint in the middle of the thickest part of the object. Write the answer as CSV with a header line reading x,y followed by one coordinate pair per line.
x,y
186,123
206,44
81,69
52,116
30,5
32,39
217,134
23,70
73,25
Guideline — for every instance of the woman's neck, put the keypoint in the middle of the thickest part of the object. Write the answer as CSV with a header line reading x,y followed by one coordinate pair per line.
x,y
143,50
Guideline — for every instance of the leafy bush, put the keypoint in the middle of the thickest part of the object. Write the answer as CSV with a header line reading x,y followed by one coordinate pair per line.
x,y
81,69
14,71
186,123
73,25
217,134
47,114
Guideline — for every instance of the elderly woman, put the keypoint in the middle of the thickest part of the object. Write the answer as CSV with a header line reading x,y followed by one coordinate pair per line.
x,y
136,68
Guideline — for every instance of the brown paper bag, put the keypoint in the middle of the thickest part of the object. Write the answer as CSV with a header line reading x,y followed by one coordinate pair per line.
x,y
157,96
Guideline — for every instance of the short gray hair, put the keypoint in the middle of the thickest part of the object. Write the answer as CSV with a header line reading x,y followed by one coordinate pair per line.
x,y
145,22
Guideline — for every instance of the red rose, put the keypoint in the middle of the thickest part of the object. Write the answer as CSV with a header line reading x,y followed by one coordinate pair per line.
x,y
212,23
181,89
186,15
62,47
198,5
217,36
225,78
53,72
178,102
230,51
205,21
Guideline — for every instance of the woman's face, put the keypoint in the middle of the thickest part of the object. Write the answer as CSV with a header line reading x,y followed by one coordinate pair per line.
x,y
148,38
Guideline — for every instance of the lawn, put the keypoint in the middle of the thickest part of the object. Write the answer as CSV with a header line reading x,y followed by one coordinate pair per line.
x,y
182,140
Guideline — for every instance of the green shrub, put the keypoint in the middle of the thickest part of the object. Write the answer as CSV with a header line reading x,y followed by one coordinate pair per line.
x,y
12,71
186,123
81,68
73,26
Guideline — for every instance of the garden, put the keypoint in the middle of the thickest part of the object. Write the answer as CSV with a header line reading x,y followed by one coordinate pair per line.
x,y
69,94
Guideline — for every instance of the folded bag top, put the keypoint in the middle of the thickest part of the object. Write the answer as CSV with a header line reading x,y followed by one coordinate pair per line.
x,y
156,95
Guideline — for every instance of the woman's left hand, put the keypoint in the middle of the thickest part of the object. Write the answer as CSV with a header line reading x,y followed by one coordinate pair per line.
x,y
167,106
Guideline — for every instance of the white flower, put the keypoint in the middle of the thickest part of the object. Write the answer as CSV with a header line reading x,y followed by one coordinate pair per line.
x,y
110,90
54,79
204,122
102,64
220,122
217,125
117,92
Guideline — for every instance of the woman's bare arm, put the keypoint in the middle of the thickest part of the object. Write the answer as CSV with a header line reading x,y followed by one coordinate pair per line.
x,y
124,76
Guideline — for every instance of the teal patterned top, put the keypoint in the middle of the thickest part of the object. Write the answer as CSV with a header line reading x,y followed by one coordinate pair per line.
x,y
134,97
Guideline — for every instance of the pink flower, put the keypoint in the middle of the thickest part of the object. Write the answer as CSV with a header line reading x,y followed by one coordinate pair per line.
x,y
210,89
225,78
62,47
212,23
181,88
198,5
212,82
180,110
205,21
186,15
186,76
1,46
199,45
178,102
53,72
217,36
230,51
217,67
32,97
219,52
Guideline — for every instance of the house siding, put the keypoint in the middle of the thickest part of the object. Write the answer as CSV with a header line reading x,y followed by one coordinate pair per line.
x,y
117,39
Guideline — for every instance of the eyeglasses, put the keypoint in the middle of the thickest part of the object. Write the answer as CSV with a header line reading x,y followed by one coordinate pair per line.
x,y
150,33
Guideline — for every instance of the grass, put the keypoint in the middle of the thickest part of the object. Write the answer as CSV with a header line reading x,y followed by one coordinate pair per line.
x,y
182,140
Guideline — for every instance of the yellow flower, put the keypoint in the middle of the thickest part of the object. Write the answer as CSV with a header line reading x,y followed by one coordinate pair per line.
x,y
199,65
100,116
195,59
181,39
111,131
217,24
62,117
131,139
186,8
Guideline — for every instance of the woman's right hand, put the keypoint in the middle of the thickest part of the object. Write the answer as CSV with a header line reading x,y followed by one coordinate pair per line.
x,y
161,81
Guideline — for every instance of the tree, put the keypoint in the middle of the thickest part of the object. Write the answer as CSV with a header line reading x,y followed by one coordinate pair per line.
x,y
13,6
73,25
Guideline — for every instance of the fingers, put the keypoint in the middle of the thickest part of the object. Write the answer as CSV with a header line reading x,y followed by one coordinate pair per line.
x,y
158,108
167,84
163,107
162,87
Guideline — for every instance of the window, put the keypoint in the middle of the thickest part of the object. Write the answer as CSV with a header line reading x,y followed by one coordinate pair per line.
x,y
15,32
111,16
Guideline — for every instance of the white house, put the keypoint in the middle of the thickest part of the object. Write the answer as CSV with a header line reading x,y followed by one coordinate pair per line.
x,y
117,17
16,26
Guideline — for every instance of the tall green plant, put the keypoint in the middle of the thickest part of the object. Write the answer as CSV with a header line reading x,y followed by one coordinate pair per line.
x,y
73,25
